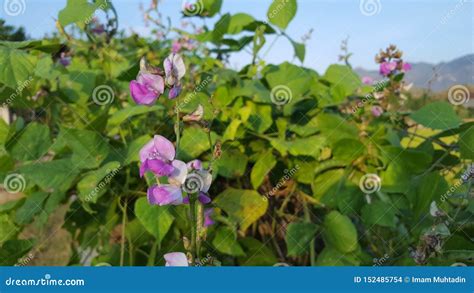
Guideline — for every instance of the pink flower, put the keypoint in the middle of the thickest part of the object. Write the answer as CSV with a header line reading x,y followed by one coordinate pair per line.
x,y
64,59
174,92
406,67
157,156
147,88
176,259
367,80
176,47
208,221
376,111
387,67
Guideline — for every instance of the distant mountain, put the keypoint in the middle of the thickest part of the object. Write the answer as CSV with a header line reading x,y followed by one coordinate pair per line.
x,y
442,75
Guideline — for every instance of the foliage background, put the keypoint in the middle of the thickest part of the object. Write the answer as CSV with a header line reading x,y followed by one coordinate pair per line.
x,y
287,184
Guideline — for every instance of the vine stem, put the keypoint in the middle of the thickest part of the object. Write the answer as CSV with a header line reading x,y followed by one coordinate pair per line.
x,y
312,244
177,127
122,240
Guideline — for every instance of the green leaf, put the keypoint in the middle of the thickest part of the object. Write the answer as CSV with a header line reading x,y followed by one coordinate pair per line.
x,y
262,167
232,163
210,7
8,229
32,143
52,175
298,237
437,115
333,257
291,80
340,232
225,241
13,250
17,68
79,11
157,220
126,114
466,143
32,206
131,152
238,22
93,185
428,188
194,142
300,50
281,12
348,149
260,254
242,206
379,213
335,128
89,148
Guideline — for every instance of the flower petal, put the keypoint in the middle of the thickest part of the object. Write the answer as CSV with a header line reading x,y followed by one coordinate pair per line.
x,y
159,167
180,171
141,94
164,195
153,82
194,165
164,147
204,198
147,151
176,259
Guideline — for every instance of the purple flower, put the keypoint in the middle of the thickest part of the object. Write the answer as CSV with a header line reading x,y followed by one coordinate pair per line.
x,y
406,67
194,165
174,91
64,60
165,194
146,88
387,67
208,221
367,80
157,156
376,111
176,259
174,69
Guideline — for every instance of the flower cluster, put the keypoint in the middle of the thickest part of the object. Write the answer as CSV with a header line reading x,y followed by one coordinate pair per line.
x,y
151,81
391,62
183,183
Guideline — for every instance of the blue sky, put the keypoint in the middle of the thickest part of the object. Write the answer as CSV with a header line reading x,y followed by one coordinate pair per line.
x,y
426,30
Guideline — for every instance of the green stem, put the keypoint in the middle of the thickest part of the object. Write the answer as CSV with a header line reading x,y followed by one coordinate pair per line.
x,y
177,127
122,240
152,255
192,206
